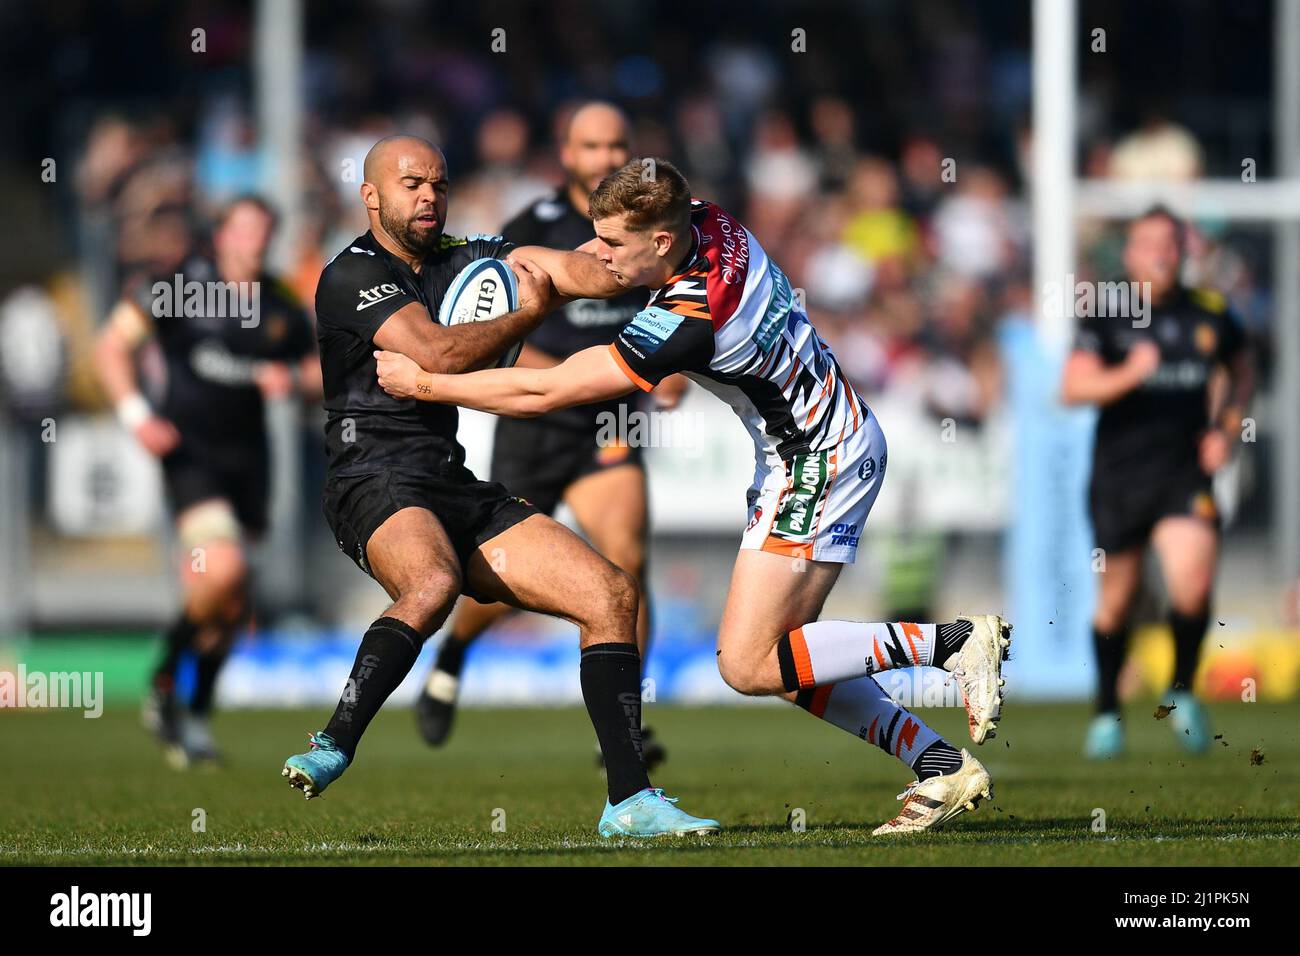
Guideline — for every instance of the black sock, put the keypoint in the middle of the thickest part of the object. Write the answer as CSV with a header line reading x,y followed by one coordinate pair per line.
x,y
611,689
1189,631
176,641
948,639
1110,659
205,682
451,655
938,758
387,654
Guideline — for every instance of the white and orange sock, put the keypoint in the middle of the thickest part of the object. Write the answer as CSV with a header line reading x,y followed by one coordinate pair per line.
x,y
864,709
829,651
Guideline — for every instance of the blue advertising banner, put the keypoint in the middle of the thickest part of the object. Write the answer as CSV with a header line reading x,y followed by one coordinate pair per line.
x,y
1048,560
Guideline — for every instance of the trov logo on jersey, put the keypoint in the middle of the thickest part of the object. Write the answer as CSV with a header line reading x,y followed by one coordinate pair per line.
x,y
380,293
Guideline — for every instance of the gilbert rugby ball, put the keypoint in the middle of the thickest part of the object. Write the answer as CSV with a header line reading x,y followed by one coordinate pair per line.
x,y
484,289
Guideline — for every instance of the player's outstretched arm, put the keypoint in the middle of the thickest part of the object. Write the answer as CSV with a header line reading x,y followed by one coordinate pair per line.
x,y
576,274
591,375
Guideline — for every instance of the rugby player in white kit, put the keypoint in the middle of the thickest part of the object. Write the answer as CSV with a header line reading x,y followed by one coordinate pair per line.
x,y
722,313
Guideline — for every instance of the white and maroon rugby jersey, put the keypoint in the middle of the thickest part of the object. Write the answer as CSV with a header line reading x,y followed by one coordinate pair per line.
x,y
729,321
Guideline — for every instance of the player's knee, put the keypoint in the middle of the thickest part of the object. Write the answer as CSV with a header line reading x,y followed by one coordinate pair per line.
x,y
431,596
625,594
744,677
1112,612
219,573
617,599
1109,619
232,575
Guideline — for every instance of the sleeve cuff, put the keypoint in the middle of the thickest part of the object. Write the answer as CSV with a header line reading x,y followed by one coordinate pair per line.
x,y
377,321
636,379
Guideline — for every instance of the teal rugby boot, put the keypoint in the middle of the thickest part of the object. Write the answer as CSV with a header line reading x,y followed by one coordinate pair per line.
x,y
648,813
315,770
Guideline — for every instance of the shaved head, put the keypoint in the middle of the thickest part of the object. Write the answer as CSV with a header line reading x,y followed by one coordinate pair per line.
x,y
391,152
596,116
595,144
405,192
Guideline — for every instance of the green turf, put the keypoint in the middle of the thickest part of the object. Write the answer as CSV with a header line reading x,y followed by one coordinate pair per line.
x,y
96,791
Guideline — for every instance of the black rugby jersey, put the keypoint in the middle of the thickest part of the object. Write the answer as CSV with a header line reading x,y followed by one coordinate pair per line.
x,y
1159,423
553,222
366,429
212,335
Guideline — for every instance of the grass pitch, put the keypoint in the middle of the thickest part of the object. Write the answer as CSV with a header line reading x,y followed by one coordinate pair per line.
x,y
80,791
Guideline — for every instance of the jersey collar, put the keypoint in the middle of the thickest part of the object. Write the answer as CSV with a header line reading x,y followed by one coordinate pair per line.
x,y
396,262
691,255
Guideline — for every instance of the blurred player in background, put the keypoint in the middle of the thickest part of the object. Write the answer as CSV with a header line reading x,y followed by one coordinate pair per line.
x,y
403,506
1173,386
558,456
222,335
724,314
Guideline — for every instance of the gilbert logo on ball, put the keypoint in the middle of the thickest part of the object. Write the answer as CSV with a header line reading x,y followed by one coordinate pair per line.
x,y
484,289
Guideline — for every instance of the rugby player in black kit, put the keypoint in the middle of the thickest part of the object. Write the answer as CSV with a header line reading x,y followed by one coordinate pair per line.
x,y
559,456
403,506
1172,396
228,335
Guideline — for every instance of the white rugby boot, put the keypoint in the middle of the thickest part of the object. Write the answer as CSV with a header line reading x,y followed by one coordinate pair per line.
x,y
929,805
978,670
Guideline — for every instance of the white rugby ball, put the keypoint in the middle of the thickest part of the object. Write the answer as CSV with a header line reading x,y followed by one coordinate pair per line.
x,y
484,289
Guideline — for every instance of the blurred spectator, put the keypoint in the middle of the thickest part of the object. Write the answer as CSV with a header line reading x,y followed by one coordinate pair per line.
x,y
962,380
974,232
878,229
922,168
153,212
837,276
501,185
228,160
834,150
704,148
781,177
1160,149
